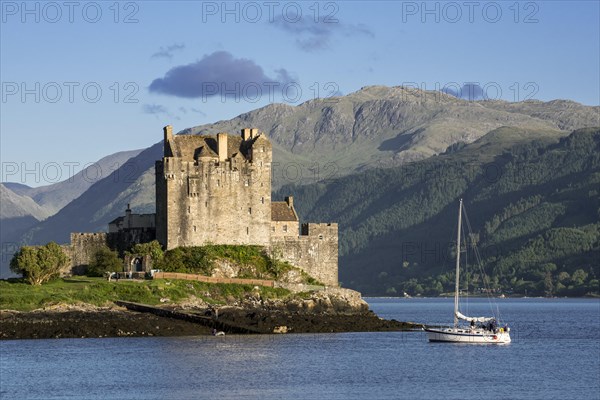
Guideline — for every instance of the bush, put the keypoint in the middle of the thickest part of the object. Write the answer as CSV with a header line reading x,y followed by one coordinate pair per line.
x,y
192,260
152,249
254,261
39,264
104,260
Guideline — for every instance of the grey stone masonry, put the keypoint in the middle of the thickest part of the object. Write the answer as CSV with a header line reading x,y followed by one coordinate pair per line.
x,y
217,189
214,190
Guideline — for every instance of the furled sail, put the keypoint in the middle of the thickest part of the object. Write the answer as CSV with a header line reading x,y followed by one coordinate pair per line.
x,y
473,319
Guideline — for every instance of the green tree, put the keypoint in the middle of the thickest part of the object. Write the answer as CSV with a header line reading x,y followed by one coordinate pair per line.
x,y
548,285
564,277
104,260
579,277
152,249
39,264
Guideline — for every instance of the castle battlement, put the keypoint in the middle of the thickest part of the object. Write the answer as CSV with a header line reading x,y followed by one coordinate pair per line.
x,y
214,189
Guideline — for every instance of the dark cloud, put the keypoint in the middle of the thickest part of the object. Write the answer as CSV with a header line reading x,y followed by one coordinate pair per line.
x,y
468,91
215,74
314,36
167,52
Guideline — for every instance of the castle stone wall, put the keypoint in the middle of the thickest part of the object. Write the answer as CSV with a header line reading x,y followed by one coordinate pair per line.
x,y
315,251
125,239
209,201
82,249
285,228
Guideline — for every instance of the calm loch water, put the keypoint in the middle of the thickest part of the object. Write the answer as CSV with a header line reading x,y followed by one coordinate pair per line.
x,y
555,354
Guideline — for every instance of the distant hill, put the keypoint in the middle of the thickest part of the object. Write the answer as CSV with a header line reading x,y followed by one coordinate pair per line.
x,y
23,207
17,188
17,213
132,183
373,128
55,196
18,205
535,207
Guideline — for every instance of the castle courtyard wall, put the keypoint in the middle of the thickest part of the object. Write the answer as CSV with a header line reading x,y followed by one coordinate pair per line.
x,y
82,249
315,251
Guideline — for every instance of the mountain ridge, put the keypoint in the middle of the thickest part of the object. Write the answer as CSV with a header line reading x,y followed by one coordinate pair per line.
x,y
536,214
390,127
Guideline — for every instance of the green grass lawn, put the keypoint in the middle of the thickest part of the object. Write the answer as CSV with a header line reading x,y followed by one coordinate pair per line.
x,y
17,295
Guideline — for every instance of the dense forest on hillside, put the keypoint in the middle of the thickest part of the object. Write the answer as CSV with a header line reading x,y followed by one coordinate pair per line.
x,y
534,208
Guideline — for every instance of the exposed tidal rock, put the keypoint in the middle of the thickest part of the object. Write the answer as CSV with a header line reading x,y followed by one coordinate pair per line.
x,y
87,324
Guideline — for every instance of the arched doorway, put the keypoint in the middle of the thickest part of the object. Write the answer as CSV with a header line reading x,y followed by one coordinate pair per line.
x,y
136,264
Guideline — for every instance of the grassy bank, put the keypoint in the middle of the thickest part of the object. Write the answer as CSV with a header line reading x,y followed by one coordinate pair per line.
x,y
17,295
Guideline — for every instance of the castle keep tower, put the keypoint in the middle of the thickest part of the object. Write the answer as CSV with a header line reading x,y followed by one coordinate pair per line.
x,y
214,189
217,189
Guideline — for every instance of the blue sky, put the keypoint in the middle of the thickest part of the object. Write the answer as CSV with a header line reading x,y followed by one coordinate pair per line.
x,y
82,80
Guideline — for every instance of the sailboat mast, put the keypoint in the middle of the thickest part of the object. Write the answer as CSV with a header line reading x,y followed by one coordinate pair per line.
x,y
456,288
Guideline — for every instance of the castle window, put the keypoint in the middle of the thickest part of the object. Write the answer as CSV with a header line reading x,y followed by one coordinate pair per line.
x,y
206,204
218,182
247,182
262,149
194,228
321,237
247,231
250,210
188,209
285,228
262,200
273,229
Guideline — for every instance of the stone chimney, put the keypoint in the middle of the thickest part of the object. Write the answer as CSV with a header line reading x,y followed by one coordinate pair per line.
x,y
246,134
253,133
128,217
290,201
168,131
222,146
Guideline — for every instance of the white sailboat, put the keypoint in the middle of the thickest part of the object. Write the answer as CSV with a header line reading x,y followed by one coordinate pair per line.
x,y
480,329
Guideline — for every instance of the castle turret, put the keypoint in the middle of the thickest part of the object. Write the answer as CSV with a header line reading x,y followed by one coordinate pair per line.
x,y
168,131
246,134
168,138
222,146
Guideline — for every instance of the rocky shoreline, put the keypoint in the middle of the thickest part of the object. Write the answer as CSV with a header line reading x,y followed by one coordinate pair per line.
x,y
49,324
337,311
54,324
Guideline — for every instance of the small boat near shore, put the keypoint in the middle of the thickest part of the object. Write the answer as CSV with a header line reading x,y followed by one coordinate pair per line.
x,y
481,330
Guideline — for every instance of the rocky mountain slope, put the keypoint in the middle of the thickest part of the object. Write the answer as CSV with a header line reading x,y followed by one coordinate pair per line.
x,y
329,138
18,213
534,206
55,196
381,126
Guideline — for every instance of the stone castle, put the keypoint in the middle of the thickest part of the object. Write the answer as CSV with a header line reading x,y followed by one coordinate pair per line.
x,y
217,190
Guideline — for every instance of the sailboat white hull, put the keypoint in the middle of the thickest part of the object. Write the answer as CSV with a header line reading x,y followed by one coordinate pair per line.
x,y
459,335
